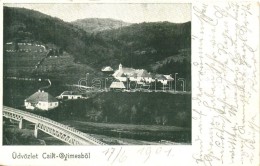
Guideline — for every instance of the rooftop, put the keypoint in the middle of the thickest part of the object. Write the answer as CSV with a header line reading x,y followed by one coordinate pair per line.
x,y
107,68
119,85
168,77
160,77
41,96
131,72
70,93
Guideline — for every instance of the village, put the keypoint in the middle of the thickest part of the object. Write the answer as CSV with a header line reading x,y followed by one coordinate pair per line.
x,y
110,83
123,80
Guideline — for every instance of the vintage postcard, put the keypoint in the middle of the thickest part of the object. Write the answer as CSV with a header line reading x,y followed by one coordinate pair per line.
x,y
126,82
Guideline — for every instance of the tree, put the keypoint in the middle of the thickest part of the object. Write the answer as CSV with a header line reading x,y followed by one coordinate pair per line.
x,y
16,47
158,120
133,114
164,119
61,51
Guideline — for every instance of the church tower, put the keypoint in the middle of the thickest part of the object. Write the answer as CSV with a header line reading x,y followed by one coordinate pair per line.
x,y
120,67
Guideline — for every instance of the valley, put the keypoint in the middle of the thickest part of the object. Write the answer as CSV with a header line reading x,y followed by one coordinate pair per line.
x,y
46,53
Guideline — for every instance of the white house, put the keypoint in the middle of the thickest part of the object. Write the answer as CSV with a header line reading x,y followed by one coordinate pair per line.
x,y
41,100
70,95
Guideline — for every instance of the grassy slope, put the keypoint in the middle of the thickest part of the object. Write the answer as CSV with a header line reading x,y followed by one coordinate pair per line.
x,y
64,68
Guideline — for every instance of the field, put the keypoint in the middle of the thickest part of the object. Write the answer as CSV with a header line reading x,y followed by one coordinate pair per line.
x,y
111,135
64,67
22,64
130,134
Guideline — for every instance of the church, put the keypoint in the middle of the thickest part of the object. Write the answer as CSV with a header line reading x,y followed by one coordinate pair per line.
x,y
137,75
140,76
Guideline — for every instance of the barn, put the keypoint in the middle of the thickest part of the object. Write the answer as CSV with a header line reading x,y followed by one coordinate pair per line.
x,y
107,70
117,86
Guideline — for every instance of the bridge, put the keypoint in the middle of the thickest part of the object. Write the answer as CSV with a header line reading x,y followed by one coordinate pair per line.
x,y
53,128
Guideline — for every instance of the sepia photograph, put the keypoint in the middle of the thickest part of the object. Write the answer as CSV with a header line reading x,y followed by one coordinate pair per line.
x,y
97,74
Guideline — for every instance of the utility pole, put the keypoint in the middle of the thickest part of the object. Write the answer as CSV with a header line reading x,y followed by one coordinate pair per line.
x,y
175,81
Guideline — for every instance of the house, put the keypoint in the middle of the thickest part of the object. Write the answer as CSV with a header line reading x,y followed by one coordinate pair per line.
x,y
143,75
41,100
117,86
70,95
161,78
107,70
169,79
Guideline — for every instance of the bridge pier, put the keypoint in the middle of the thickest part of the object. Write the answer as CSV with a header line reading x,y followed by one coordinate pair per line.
x,y
21,124
36,131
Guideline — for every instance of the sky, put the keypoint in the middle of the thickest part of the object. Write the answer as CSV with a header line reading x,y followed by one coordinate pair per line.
x,y
132,13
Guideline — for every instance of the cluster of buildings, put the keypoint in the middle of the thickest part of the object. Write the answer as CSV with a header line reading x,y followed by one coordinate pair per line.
x,y
44,101
24,47
140,76
41,100
28,44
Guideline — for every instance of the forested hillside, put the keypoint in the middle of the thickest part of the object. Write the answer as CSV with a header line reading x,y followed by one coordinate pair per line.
x,y
27,25
139,45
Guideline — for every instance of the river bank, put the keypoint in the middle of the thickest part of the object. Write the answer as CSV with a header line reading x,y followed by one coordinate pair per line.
x,y
133,134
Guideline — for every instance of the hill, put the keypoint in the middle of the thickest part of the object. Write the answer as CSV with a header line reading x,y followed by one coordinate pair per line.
x,y
145,43
23,25
156,46
159,47
29,26
98,24
137,45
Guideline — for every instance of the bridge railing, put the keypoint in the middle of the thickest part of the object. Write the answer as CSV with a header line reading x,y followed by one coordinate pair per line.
x,y
72,130
63,131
